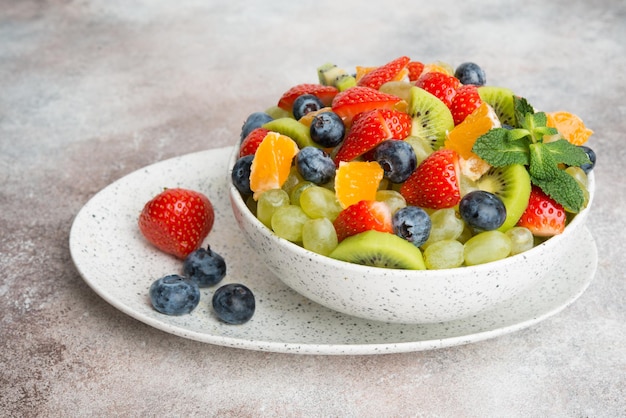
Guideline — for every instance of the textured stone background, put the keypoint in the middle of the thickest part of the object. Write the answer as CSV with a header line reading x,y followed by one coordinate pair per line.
x,y
91,90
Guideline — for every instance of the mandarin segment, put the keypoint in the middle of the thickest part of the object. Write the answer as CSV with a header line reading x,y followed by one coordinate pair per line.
x,y
356,181
272,163
570,126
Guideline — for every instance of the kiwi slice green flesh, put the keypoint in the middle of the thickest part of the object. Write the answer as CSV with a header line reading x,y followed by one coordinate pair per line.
x,y
502,102
379,249
512,185
295,130
431,117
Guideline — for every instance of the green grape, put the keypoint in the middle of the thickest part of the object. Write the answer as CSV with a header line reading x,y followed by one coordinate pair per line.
x,y
294,196
521,239
444,254
393,198
267,204
319,236
293,180
319,202
486,247
445,225
581,178
287,222
421,147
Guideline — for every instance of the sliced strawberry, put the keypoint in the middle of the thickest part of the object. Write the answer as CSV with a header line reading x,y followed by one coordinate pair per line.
x,y
358,99
368,130
435,182
543,216
384,73
399,123
464,102
251,142
441,85
325,93
415,70
176,221
363,216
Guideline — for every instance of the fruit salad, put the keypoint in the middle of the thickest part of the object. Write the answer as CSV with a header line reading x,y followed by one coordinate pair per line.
x,y
412,165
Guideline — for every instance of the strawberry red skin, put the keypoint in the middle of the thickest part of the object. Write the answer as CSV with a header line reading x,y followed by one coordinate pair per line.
x,y
399,123
384,73
251,142
365,215
176,221
325,93
435,182
358,99
368,130
415,70
543,216
464,102
441,85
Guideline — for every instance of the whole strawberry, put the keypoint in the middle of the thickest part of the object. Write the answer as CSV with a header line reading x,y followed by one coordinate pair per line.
x,y
441,85
177,221
435,182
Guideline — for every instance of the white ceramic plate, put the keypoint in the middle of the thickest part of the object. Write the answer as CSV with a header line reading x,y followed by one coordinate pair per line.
x,y
119,265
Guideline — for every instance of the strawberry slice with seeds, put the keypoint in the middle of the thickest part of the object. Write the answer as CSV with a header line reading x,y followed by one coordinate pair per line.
x,y
435,182
387,72
464,102
368,130
415,70
399,123
176,221
251,142
325,93
441,85
363,216
543,216
358,99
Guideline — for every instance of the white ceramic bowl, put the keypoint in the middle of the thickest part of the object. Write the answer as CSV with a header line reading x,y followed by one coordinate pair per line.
x,y
403,296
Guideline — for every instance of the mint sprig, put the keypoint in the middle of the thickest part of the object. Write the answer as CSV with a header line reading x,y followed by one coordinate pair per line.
x,y
524,144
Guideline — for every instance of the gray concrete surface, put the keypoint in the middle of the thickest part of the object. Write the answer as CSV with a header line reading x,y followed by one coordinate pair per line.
x,y
91,90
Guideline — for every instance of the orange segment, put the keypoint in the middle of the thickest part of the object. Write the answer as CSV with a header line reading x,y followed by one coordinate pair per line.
x,y
356,181
272,163
570,126
361,71
438,67
479,122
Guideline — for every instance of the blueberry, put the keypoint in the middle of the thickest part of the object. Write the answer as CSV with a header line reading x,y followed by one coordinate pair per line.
x,y
587,167
413,224
205,267
255,120
315,165
241,174
305,104
234,303
327,129
470,73
482,210
397,158
174,295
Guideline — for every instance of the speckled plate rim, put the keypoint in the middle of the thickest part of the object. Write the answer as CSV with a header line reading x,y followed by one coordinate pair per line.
x,y
115,261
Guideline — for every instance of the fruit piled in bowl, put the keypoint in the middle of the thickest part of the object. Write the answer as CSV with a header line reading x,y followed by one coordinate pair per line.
x,y
412,166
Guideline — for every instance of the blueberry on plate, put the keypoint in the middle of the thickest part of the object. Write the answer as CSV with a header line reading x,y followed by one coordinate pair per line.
x,y
253,121
174,295
482,210
315,165
327,129
240,175
304,104
470,73
205,267
397,158
413,224
234,303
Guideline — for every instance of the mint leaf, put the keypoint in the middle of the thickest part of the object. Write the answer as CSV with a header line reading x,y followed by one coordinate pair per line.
x,y
567,153
542,164
522,108
496,148
539,120
563,189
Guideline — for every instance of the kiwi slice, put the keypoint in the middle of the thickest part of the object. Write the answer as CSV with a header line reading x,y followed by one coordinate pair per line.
x,y
379,249
502,102
431,117
328,73
512,185
277,112
344,82
295,130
